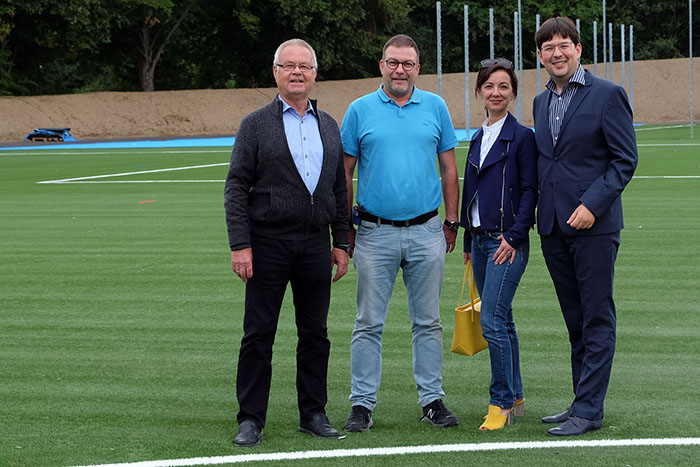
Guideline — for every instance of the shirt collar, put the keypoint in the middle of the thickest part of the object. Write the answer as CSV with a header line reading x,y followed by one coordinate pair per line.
x,y
416,95
286,107
579,77
496,126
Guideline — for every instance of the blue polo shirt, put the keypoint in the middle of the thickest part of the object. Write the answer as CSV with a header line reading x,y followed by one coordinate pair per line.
x,y
397,149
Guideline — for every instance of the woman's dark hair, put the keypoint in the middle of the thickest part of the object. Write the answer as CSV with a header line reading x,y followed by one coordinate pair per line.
x,y
558,25
498,64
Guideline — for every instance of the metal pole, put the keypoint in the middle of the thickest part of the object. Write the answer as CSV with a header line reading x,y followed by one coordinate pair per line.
x,y
521,95
515,56
631,67
610,51
622,53
439,48
595,48
537,28
467,120
690,61
491,33
578,31
605,47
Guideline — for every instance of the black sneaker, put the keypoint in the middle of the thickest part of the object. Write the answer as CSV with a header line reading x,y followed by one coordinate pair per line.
x,y
360,419
437,414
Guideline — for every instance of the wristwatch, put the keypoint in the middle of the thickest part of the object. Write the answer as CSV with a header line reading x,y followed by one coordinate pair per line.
x,y
343,246
453,226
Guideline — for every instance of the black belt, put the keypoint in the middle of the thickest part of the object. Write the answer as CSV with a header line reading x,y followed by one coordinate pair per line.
x,y
422,219
480,231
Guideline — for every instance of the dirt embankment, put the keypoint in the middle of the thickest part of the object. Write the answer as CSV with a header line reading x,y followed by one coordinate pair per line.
x,y
661,94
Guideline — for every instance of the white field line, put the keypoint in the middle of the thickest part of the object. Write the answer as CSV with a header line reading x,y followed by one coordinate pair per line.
x,y
392,451
661,127
140,172
655,145
92,179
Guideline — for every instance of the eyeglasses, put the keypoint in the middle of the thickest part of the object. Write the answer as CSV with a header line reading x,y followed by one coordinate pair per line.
x,y
394,64
564,47
290,67
496,61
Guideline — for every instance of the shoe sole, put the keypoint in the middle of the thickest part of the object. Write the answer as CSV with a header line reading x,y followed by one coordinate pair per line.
x,y
358,430
442,425
574,434
241,445
313,433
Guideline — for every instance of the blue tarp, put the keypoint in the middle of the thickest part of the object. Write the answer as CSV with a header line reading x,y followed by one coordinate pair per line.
x,y
50,134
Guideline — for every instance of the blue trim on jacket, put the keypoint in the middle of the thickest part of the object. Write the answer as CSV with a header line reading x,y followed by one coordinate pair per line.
x,y
506,183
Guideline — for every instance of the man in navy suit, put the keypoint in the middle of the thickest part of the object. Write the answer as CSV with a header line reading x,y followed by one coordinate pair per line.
x,y
587,155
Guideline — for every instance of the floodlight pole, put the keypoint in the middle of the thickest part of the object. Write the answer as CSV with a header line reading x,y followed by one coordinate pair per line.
x,y
610,51
690,54
537,59
632,67
491,33
467,120
595,48
622,53
605,49
439,48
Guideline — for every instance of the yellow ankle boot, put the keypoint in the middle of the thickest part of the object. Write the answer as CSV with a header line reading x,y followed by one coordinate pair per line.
x,y
496,421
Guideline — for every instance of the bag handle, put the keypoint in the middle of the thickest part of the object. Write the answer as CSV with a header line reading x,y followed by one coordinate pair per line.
x,y
468,273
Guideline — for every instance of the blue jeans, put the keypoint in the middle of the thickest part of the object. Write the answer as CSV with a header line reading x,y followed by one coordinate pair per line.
x,y
380,250
497,286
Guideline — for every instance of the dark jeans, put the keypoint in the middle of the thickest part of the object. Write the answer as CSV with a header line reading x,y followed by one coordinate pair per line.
x,y
582,269
306,264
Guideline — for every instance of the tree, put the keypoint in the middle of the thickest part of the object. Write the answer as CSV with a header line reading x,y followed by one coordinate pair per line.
x,y
156,24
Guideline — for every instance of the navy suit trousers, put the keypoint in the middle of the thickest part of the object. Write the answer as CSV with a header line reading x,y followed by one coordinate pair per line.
x,y
582,269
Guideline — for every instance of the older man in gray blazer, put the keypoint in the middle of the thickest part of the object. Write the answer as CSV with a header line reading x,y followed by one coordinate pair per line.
x,y
285,188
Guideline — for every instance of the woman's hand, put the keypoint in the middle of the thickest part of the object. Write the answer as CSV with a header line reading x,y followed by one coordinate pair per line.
x,y
504,252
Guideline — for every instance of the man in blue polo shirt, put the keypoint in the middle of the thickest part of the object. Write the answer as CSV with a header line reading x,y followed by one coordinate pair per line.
x,y
396,133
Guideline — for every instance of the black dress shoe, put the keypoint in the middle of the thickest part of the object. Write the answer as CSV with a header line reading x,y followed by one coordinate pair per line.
x,y
575,426
249,434
319,426
560,418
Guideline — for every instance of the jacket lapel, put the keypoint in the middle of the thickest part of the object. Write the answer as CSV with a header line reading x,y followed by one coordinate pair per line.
x,y
576,100
543,134
500,147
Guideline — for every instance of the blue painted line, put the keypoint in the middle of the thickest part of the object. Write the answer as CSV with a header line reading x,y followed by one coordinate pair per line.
x,y
228,141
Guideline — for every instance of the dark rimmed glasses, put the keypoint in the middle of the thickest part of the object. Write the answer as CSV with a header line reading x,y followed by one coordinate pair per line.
x,y
489,62
394,64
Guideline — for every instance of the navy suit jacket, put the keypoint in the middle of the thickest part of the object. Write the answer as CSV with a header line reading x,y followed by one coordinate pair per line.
x,y
592,162
506,183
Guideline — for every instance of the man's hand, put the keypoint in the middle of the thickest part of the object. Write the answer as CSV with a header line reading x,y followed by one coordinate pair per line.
x,y
242,263
340,259
581,218
450,238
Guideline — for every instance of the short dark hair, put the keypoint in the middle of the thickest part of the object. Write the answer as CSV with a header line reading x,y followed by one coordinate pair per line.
x,y
558,25
484,74
402,40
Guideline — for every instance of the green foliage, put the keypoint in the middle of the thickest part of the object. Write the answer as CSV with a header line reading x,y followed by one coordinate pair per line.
x,y
220,38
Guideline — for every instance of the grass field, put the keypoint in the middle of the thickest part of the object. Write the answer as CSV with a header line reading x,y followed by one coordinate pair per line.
x,y
120,322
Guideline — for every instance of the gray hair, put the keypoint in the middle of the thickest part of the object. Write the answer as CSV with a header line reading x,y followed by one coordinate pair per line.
x,y
299,42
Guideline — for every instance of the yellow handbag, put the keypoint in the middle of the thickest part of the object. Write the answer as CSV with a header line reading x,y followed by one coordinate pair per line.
x,y
467,337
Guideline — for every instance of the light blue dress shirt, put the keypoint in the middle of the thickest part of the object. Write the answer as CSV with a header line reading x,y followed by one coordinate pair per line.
x,y
304,141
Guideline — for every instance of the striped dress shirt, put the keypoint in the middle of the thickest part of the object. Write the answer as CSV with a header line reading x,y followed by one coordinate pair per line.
x,y
558,103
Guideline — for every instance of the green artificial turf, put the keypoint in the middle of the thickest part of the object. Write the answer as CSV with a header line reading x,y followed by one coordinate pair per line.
x,y
120,322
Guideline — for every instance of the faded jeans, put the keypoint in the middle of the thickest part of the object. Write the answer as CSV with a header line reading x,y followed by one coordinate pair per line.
x,y
497,286
380,250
